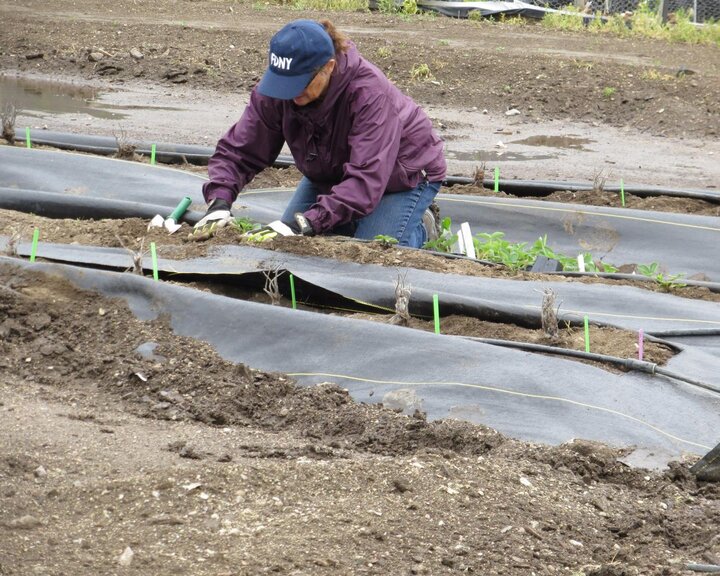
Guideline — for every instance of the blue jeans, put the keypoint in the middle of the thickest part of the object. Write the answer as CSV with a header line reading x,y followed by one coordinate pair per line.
x,y
399,214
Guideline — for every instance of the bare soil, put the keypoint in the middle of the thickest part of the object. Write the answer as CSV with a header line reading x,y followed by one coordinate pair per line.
x,y
199,466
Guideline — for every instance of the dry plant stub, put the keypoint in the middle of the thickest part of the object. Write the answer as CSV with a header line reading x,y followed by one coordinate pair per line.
x,y
402,302
549,314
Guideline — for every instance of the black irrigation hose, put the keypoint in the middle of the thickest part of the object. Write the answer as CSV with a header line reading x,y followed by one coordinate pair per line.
x,y
712,286
180,153
544,188
707,568
627,363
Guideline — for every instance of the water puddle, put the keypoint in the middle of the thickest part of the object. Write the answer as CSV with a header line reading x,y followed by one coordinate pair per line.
x,y
571,142
38,97
495,155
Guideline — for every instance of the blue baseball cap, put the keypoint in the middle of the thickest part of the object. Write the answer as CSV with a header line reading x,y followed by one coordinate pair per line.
x,y
296,53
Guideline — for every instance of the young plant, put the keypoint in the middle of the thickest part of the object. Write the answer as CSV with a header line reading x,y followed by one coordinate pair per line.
x,y
667,282
385,240
495,248
446,239
670,282
608,92
243,225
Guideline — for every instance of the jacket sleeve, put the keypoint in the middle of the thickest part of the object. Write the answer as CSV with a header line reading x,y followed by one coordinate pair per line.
x,y
251,145
374,142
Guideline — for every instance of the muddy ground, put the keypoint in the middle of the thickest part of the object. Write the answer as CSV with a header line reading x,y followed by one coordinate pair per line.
x,y
120,456
181,71
116,460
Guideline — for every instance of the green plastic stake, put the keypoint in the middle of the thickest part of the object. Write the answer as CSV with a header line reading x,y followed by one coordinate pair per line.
x,y
497,179
152,155
180,209
587,335
436,313
27,138
33,250
622,192
153,253
292,292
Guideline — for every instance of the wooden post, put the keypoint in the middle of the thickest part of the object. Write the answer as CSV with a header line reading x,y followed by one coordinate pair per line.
x,y
663,10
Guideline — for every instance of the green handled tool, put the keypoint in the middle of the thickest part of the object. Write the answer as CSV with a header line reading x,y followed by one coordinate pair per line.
x,y
170,223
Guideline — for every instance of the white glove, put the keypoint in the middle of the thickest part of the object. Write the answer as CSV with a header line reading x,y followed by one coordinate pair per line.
x,y
217,216
269,232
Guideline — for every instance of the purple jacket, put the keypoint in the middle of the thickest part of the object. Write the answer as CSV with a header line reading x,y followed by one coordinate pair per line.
x,y
364,138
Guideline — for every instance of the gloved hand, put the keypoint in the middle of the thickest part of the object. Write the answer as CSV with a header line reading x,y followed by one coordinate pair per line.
x,y
217,216
299,227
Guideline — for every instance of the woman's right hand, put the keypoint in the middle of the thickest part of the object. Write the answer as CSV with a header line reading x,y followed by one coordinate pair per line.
x,y
217,216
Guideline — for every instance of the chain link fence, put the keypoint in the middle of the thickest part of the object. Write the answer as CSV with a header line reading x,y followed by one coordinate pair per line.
x,y
702,10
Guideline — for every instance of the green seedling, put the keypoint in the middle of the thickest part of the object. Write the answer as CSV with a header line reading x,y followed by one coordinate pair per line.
x,y
667,282
243,225
384,52
445,240
649,270
385,240
608,92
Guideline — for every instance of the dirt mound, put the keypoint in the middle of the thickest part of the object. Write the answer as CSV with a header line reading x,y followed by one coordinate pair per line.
x,y
46,338
180,455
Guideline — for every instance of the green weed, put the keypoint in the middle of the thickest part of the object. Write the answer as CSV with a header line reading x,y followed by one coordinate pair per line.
x,y
421,72
410,7
654,74
387,6
608,92
645,22
384,52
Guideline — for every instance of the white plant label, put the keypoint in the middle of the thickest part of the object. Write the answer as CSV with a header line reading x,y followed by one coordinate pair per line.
x,y
467,240
581,263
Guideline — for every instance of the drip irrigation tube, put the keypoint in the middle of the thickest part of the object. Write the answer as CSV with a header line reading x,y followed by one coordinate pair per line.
x,y
627,363
707,568
712,286
181,153
544,188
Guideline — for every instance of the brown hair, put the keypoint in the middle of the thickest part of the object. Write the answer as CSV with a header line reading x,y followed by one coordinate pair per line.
x,y
339,39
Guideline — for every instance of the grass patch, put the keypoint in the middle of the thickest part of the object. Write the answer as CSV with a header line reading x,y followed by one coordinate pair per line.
x,y
644,22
